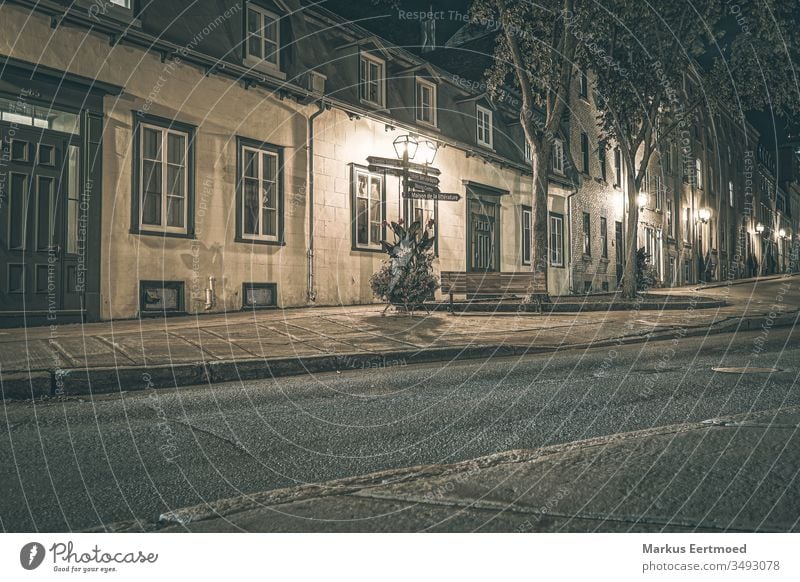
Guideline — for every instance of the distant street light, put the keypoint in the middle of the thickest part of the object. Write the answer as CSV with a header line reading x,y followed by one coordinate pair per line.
x,y
782,233
642,199
759,228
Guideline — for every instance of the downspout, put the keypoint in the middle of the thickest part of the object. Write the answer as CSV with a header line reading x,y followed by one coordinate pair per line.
x,y
570,274
311,292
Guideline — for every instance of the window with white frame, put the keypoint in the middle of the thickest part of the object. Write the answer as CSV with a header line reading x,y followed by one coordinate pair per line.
x,y
122,3
556,240
659,192
617,168
426,102
730,194
670,221
526,235
373,80
163,178
528,152
698,170
368,208
260,194
483,119
263,37
558,156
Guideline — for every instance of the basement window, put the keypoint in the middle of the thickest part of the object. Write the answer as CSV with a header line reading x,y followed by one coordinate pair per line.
x,y
161,297
259,295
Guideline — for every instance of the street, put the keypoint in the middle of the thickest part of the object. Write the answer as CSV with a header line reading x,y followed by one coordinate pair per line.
x,y
78,463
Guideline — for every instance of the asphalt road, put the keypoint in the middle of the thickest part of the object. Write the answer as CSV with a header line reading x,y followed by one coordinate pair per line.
x,y
75,464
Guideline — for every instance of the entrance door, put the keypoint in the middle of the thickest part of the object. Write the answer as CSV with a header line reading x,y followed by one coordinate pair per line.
x,y
33,221
483,243
619,250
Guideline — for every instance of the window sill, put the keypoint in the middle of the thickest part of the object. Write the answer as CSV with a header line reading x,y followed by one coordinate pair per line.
x,y
367,249
163,233
605,260
561,266
255,241
377,107
264,67
426,125
257,307
587,257
99,10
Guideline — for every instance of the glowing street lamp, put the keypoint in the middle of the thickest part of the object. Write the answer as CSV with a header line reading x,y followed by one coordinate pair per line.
x,y
405,146
642,199
759,228
704,215
782,233
426,151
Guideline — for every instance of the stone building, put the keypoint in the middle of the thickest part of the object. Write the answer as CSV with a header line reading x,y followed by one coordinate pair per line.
x,y
189,157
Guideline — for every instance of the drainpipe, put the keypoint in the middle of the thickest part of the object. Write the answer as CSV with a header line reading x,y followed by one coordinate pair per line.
x,y
323,106
570,275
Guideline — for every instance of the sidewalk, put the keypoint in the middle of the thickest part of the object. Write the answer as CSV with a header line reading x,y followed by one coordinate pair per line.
x,y
181,351
733,474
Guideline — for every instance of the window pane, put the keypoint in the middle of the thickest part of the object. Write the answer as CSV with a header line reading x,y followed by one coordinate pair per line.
x,y
251,210
361,221
269,163
151,203
375,221
176,148
73,179
253,21
271,52
270,29
270,222
151,144
250,164
176,198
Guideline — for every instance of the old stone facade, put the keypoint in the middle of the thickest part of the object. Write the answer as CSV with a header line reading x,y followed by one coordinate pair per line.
x,y
196,167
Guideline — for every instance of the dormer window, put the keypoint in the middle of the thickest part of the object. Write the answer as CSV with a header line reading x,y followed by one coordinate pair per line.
x,y
373,80
483,118
263,38
558,156
426,102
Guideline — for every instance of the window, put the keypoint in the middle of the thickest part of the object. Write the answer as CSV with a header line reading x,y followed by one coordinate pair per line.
x,y
528,152
603,237
659,192
668,159
698,170
263,37
587,234
259,192
556,240
160,297
686,222
259,295
163,177
558,156
123,3
617,168
585,152
426,102
423,211
484,126
373,80
601,158
368,209
730,194
583,84
526,235
670,225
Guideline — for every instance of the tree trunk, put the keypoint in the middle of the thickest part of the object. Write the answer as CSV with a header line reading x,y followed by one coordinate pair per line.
x,y
631,240
540,247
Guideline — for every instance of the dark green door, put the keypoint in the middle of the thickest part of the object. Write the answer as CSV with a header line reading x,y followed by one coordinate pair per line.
x,y
37,256
483,241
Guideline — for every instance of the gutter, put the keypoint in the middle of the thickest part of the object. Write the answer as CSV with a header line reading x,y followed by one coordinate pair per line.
x,y
311,291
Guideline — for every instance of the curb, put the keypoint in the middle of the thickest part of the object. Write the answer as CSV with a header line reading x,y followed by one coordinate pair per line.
x,y
78,381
